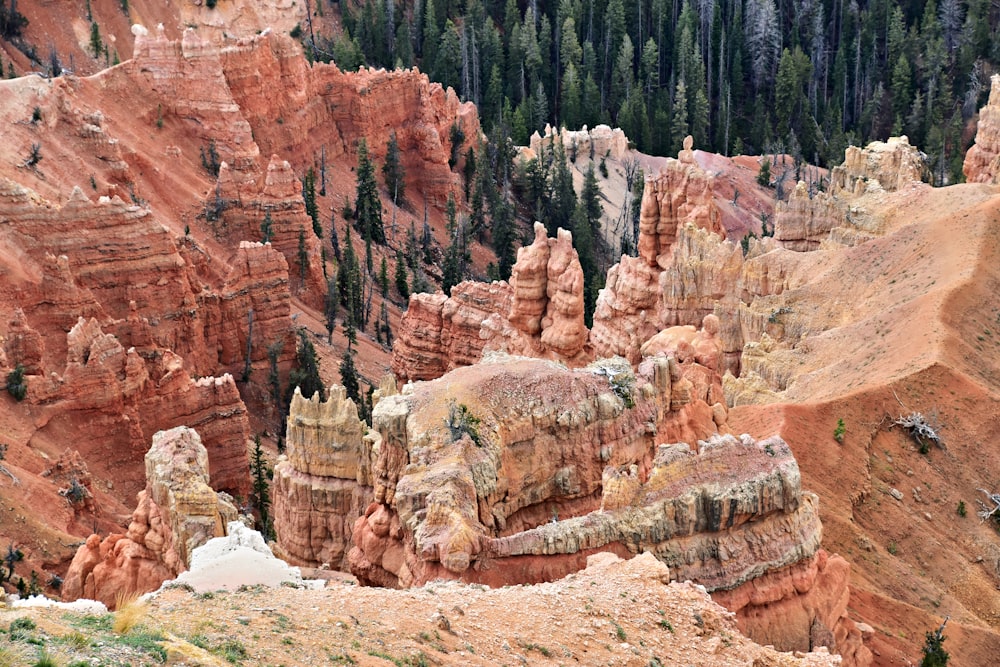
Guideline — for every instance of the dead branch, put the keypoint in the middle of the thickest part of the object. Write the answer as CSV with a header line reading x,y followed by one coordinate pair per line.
x,y
14,479
920,430
986,512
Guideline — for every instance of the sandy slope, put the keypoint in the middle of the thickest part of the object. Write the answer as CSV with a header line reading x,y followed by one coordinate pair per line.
x,y
908,322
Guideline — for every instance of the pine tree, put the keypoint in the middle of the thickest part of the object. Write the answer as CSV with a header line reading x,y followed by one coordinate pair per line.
x,y
260,495
383,279
334,240
309,199
349,376
306,375
456,257
266,230
349,283
590,198
447,64
330,303
96,43
367,205
401,285
679,122
934,653
384,326
570,101
393,172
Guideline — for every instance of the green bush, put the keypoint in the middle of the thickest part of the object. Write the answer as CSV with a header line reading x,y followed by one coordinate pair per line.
x,y
838,433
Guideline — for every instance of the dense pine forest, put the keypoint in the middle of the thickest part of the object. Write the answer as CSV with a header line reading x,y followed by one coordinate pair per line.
x,y
807,77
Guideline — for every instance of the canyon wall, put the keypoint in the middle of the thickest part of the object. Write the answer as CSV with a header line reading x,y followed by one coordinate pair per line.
x,y
683,267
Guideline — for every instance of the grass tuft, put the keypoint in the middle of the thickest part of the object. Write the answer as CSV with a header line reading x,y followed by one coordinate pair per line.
x,y
129,612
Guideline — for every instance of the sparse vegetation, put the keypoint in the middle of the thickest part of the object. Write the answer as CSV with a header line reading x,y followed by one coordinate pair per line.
x,y
10,558
461,422
210,158
961,508
20,628
130,610
934,653
838,432
34,156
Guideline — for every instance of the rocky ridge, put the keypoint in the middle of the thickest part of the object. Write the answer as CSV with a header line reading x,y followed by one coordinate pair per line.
x,y
581,618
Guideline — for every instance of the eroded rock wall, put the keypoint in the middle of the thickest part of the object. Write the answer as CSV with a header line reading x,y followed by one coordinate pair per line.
x,y
545,434
806,219
324,480
539,314
599,142
890,166
630,309
321,105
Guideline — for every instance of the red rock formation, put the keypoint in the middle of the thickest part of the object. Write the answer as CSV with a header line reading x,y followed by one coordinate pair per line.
x,y
138,398
686,342
539,314
800,608
889,166
539,493
629,309
320,105
545,436
177,512
323,483
680,194
280,196
187,80
982,162
23,345
439,333
806,219
257,282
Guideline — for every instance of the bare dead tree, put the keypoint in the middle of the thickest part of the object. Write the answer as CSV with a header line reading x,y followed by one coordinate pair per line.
x,y
989,511
631,167
922,429
919,428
